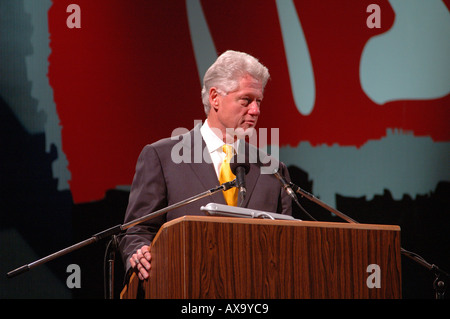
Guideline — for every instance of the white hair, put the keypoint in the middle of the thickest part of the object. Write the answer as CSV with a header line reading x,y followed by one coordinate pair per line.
x,y
229,68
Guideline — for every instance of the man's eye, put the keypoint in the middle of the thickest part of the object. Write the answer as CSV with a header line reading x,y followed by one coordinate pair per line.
x,y
246,101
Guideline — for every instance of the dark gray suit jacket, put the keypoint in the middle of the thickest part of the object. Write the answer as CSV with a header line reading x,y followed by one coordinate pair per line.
x,y
160,181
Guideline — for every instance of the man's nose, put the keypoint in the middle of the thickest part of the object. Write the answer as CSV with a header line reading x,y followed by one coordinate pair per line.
x,y
254,108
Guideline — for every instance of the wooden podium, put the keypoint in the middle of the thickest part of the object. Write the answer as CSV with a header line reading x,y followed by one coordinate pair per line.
x,y
195,257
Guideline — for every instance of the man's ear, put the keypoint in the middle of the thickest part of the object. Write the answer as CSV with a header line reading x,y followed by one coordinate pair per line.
x,y
214,98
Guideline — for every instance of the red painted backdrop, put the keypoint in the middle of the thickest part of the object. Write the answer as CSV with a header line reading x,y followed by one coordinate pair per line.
x,y
128,77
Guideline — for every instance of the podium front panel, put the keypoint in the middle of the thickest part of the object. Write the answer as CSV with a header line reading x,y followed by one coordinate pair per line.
x,y
199,257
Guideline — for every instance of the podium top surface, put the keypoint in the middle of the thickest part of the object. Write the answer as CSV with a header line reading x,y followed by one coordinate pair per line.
x,y
295,223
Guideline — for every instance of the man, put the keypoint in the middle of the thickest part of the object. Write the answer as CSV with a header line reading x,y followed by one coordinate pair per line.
x,y
169,171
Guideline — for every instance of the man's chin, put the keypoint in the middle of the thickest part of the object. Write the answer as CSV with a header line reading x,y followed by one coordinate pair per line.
x,y
243,132
239,133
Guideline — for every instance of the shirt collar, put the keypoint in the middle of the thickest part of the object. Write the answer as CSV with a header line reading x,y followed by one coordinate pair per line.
x,y
212,141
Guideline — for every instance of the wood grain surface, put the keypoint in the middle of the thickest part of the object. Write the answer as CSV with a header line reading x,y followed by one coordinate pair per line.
x,y
215,257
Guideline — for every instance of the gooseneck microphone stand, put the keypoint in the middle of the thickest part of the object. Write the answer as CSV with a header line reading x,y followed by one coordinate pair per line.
x,y
439,283
115,230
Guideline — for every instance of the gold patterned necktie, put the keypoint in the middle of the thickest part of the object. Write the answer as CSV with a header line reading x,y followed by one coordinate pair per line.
x,y
225,175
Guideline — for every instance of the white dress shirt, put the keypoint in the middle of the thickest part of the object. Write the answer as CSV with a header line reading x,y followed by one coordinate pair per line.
x,y
214,145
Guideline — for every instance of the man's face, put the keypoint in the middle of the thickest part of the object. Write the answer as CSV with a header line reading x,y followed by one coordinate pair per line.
x,y
239,109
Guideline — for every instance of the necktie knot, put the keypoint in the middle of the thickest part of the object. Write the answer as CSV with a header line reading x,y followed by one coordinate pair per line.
x,y
229,152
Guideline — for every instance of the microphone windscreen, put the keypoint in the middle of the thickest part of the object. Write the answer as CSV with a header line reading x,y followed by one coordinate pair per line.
x,y
239,161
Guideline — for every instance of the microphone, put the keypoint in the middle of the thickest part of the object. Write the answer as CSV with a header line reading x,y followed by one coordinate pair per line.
x,y
291,193
285,185
312,198
240,168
